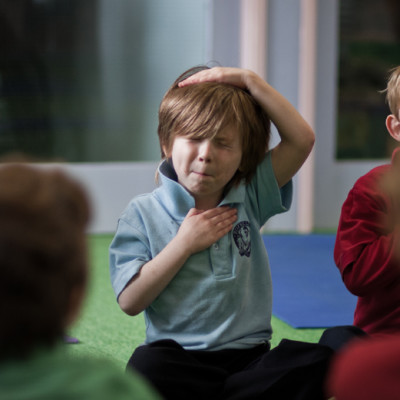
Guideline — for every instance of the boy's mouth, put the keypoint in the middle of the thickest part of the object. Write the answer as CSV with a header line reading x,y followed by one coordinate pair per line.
x,y
201,173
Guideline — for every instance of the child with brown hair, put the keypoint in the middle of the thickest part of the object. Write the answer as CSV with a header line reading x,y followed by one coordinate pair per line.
x,y
191,256
44,267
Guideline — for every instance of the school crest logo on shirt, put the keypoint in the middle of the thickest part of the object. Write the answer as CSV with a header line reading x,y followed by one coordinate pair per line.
x,y
241,235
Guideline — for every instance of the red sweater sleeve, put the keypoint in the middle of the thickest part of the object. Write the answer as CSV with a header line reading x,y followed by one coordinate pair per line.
x,y
363,249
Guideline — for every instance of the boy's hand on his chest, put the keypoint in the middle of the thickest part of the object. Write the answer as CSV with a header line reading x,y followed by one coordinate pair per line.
x,y
200,229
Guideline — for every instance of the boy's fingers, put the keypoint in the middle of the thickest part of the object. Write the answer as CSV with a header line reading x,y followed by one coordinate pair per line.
x,y
216,74
224,210
226,217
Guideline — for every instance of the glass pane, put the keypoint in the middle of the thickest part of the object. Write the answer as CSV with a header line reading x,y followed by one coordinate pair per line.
x,y
82,80
369,48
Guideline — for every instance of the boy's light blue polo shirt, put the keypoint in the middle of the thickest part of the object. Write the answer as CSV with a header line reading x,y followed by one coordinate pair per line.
x,y
222,297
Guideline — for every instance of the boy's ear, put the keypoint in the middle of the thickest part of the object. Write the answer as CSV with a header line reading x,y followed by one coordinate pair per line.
x,y
393,126
164,149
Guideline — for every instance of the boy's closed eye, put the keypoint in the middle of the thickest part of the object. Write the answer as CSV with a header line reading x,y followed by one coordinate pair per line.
x,y
194,139
224,144
217,142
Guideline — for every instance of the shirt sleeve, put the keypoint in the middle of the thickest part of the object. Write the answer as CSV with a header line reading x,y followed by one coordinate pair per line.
x,y
264,194
129,251
364,242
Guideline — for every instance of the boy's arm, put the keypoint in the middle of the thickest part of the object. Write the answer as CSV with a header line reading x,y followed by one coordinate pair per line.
x,y
198,231
297,137
363,246
367,239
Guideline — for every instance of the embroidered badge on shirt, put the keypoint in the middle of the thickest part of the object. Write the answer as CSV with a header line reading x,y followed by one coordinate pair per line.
x,y
241,235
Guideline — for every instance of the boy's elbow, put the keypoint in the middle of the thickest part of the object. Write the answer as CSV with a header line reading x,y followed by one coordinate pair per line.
x,y
307,143
127,306
310,140
302,142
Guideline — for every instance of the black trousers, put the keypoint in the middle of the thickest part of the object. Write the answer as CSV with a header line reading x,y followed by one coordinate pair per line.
x,y
292,370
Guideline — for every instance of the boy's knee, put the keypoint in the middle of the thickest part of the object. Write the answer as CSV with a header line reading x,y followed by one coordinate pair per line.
x,y
338,336
148,358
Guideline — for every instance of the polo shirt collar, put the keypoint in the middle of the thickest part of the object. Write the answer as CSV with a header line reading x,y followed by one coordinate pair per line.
x,y
179,201
175,198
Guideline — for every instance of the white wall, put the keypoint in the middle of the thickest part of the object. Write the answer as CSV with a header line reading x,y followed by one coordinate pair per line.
x,y
110,187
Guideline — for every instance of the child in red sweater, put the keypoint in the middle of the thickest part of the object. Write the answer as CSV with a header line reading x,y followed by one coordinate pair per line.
x,y
364,242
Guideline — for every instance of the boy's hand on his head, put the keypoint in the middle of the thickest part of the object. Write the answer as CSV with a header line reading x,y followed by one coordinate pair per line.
x,y
233,76
200,229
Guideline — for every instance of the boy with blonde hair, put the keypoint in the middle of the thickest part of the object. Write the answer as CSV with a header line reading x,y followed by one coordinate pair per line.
x,y
364,251
369,369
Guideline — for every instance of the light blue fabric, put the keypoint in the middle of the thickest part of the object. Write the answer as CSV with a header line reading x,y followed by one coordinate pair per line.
x,y
222,296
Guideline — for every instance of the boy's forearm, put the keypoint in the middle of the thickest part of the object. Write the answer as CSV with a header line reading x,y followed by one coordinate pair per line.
x,y
152,279
282,113
197,232
297,137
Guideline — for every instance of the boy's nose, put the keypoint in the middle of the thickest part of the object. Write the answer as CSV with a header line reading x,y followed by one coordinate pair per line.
x,y
205,151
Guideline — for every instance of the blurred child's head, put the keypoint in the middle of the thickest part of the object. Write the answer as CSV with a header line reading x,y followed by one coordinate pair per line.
x,y
43,260
204,109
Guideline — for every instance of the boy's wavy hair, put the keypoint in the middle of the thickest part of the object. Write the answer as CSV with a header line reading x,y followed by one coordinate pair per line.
x,y
201,110
43,260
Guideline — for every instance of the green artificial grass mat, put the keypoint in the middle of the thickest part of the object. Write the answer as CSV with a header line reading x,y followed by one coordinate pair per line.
x,y
103,330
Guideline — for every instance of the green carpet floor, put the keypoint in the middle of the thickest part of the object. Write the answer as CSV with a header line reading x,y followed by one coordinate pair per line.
x,y
104,330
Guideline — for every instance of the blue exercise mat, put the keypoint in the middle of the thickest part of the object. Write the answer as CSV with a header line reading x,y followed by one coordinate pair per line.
x,y
308,291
